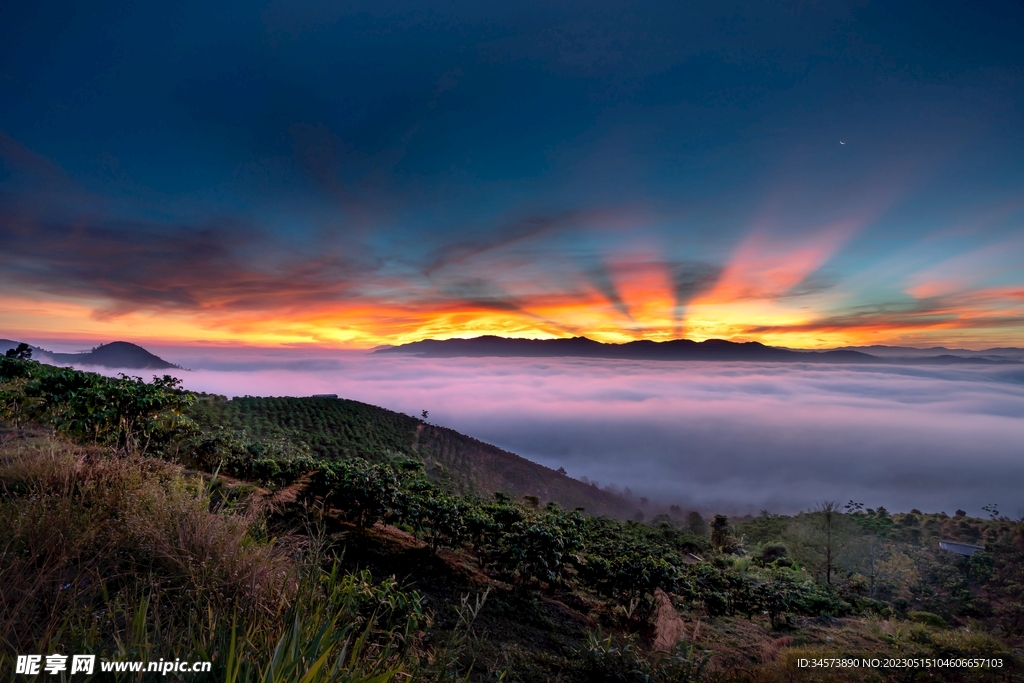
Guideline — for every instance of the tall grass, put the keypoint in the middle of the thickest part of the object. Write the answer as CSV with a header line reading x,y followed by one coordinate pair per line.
x,y
130,558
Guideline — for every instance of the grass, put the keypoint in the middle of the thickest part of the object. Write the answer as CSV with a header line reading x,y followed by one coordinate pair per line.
x,y
134,558
131,558
129,534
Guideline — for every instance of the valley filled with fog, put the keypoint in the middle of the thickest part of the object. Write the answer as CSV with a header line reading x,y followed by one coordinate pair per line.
x,y
713,436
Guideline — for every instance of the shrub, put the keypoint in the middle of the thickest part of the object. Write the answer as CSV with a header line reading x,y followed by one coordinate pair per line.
x,y
928,619
125,412
629,575
364,493
233,452
605,659
437,517
773,552
538,548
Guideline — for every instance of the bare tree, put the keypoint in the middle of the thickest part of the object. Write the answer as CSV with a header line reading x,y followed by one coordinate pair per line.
x,y
871,562
829,512
821,537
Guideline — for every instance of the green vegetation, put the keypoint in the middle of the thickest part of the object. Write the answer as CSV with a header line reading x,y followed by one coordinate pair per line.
x,y
330,427
142,521
333,429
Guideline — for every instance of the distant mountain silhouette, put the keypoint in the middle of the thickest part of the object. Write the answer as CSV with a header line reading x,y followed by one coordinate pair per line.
x,y
113,355
936,351
680,349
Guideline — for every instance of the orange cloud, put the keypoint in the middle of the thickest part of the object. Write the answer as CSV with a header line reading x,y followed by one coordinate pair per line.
x,y
753,286
763,268
976,319
765,292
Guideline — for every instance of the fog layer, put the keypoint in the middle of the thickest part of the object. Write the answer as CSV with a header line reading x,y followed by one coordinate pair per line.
x,y
713,436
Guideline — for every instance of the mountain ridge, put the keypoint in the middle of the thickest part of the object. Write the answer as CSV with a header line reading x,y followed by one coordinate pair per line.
x,y
679,349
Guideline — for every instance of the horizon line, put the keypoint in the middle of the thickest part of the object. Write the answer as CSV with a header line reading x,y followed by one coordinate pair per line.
x,y
333,346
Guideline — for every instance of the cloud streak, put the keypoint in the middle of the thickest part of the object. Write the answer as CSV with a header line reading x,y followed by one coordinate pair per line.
x,y
149,266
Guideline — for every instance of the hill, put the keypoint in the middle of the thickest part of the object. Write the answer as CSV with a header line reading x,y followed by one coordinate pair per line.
x,y
341,428
677,350
117,354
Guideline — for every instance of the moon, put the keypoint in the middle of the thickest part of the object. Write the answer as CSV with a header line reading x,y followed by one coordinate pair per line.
x,y
841,142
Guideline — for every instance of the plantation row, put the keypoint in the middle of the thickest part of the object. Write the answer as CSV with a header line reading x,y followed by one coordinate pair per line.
x,y
330,427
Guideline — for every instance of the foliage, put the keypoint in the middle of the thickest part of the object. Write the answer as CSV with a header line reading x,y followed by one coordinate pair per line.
x,y
332,428
537,547
773,553
608,660
237,454
928,618
363,492
630,575
22,352
124,412
438,517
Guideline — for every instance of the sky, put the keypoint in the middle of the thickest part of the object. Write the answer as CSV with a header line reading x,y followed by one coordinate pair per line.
x,y
349,174
716,437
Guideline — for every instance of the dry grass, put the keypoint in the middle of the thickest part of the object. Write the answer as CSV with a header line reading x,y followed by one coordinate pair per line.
x,y
770,649
81,529
133,558
214,554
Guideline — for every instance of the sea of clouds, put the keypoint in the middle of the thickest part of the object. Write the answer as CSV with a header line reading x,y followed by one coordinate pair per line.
x,y
736,437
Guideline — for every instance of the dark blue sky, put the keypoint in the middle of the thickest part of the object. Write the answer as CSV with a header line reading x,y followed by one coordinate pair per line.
x,y
358,172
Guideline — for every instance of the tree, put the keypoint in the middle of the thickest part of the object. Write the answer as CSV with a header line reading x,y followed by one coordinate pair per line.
x,y
721,531
993,512
871,564
828,511
695,524
22,352
821,538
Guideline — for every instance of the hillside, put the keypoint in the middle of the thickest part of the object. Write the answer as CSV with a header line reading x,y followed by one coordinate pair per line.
x,y
341,428
117,354
675,350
